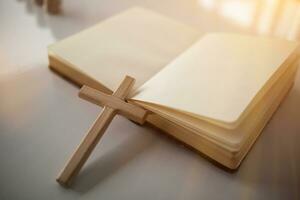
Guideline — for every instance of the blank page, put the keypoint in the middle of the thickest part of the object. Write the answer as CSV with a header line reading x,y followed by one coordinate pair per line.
x,y
136,42
218,76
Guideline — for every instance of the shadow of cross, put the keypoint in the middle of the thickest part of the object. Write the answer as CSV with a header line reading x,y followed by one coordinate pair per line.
x,y
113,104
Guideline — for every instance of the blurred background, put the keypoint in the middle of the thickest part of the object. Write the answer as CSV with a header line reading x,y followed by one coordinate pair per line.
x,y
280,18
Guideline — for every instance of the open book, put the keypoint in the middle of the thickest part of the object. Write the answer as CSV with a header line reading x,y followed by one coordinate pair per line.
x,y
214,92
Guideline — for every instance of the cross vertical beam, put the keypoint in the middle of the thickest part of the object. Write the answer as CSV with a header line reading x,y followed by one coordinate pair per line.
x,y
113,104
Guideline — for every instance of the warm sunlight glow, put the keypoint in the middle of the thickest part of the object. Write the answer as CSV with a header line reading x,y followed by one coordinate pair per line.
x,y
289,23
238,11
266,17
207,4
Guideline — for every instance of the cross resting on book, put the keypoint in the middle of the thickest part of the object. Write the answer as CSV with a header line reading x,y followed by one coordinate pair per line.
x,y
113,104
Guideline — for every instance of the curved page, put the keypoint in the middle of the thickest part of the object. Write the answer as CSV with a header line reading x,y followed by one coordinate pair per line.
x,y
219,76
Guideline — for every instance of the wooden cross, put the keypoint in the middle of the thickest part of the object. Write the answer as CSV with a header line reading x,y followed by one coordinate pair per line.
x,y
113,104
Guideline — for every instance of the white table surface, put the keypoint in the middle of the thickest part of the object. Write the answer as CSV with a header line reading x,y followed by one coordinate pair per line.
x,y
42,120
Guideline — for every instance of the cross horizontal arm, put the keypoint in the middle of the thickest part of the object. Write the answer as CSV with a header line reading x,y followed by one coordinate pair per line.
x,y
128,110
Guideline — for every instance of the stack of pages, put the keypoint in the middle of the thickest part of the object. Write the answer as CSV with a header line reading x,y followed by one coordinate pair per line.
x,y
214,92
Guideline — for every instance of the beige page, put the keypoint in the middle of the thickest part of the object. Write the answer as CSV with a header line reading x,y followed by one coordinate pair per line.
x,y
219,76
137,42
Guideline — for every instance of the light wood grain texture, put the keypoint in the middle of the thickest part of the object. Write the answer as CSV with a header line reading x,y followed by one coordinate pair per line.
x,y
128,110
114,103
87,145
